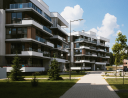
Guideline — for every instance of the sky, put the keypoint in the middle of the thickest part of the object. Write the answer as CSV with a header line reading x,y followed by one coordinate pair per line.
x,y
104,17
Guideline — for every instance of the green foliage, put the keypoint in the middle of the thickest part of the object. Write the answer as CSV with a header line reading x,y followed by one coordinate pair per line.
x,y
119,49
112,58
16,74
37,73
34,82
120,74
53,72
105,73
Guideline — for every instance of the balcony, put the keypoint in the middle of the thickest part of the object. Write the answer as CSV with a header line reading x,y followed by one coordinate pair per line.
x,y
31,53
94,54
82,61
86,47
62,29
93,48
101,50
61,48
27,21
80,39
88,53
95,42
30,5
59,37
102,44
44,41
107,56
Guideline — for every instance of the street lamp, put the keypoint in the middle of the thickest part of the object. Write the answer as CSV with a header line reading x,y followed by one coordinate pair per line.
x,y
70,47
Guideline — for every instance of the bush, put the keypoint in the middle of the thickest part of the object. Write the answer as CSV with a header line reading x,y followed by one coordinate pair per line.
x,y
34,82
78,71
105,73
37,73
120,74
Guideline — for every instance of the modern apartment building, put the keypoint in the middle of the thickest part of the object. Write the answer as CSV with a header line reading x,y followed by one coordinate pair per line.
x,y
88,51
28,28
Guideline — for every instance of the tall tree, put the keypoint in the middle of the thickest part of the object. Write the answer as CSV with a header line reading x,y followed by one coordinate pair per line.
x,y
119,49
16,73
53,72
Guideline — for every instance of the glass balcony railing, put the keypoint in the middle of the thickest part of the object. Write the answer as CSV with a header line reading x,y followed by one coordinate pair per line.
x,y
80,39
47,29
45,53
40,39
94,42
92,47
29,5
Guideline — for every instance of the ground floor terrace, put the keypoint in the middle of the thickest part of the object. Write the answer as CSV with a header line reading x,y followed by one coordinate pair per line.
x,y
33,63
96,66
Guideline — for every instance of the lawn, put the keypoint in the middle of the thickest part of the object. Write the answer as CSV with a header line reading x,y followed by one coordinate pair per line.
x,y
45,89
65,75
118,85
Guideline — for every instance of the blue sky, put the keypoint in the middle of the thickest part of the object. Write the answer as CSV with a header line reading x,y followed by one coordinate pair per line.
x,y
105,17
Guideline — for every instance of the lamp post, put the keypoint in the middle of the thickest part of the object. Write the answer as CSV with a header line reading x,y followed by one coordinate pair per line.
x,y
70,47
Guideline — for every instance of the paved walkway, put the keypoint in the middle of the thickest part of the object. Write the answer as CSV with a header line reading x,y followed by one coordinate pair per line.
x,y
91,85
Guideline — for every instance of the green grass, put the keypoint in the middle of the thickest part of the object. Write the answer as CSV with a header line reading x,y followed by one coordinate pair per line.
x,y
113,76
65,75
118,84
45,89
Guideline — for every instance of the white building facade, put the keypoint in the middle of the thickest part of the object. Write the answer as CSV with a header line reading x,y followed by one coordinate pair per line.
x,y
28,28
88,52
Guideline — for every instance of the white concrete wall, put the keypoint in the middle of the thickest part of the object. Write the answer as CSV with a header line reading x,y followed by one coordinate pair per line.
x,y
64,22
3,73
44,4
2,32
28,69
32,53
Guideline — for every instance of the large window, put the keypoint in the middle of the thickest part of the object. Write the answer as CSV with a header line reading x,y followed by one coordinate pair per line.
x,y
16,18
16,33
16,48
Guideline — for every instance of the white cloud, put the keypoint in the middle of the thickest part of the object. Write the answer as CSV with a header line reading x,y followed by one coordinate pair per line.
x,y
73,13
109,23
117,33
122,25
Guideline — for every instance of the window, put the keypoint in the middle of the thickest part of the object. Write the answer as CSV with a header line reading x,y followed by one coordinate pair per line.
x,y
16,33
16,18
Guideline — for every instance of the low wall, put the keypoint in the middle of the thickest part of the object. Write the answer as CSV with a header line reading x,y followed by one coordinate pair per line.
x,y
28,69
3,73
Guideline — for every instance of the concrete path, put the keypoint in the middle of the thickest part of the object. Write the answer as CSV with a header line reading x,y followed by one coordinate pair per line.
x,y
91,85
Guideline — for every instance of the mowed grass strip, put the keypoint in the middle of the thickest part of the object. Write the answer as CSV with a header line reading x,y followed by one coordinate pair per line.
x,y
45,88
65,75
118,85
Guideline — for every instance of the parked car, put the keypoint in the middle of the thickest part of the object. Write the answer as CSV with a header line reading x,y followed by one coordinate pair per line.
x,y
119,70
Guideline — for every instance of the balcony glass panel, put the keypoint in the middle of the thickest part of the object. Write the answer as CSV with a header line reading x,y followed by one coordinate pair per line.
x,y
29,5
47,29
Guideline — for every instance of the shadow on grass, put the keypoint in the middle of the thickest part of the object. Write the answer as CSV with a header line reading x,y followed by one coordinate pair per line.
x,y
45,89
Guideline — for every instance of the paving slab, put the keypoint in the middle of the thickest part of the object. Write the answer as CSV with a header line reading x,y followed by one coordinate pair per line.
x,y
91,85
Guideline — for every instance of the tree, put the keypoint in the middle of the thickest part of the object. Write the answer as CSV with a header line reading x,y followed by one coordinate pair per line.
x,y
16,74
53,72
119,49
112,58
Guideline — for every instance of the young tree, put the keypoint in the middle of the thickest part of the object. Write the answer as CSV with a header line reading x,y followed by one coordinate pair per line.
x,y
119,49
16,73
53,72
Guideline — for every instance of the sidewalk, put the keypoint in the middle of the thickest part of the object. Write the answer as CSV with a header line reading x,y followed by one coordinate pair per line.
x,y
91,85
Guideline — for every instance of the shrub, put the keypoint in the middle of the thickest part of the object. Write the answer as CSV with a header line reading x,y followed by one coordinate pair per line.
x,y
105,73
120,74
34,82
16,74
53,72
